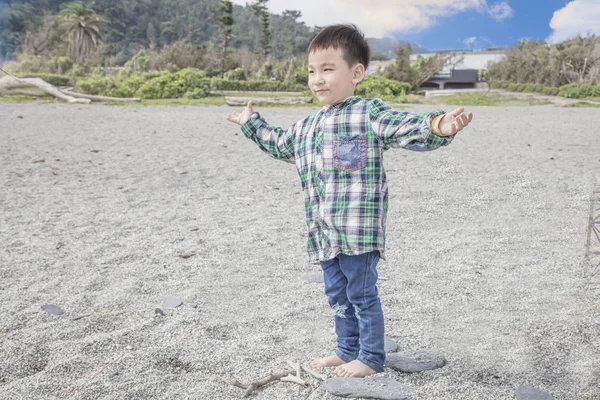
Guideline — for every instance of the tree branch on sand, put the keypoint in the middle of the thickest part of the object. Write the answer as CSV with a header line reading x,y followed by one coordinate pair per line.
x,y
9,85
293,375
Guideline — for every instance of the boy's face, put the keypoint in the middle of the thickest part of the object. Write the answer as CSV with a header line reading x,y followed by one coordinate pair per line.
x,y
330,77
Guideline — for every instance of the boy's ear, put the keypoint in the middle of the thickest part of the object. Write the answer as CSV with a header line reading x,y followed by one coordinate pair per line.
x,y
358,73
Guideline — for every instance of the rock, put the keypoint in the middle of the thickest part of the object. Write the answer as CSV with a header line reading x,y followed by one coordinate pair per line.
x,y
171,302
369,388
159,311
390,345
415,361
52,309
531,393
316,277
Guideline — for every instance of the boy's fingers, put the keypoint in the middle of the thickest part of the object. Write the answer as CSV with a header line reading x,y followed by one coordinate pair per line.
x,y
457,112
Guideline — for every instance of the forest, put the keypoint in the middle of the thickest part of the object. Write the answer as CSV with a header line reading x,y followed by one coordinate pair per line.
x,y
99,45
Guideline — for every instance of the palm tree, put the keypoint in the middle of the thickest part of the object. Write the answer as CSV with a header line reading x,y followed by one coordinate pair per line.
x,y
83,27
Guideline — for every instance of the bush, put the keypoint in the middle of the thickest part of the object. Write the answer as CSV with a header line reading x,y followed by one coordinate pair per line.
x,y
188,81
578,91
238,74
378,86
255,85
96,85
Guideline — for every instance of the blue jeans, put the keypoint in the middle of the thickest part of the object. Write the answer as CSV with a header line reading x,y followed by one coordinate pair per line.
x,y
351,286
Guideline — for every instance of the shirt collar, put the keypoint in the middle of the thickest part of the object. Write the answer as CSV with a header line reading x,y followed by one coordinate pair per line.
x,y
338,105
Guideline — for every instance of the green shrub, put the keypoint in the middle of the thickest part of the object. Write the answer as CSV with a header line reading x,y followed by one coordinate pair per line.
x,y
238,74
96,85
378,86
196,93
578,91
173,85
53,79
254,85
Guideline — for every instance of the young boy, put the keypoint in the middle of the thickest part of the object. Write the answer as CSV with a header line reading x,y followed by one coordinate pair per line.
x,y
338,153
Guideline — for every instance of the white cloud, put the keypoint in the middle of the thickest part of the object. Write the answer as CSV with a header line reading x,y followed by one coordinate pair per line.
x,y
500,11
578,17
478,42
383,17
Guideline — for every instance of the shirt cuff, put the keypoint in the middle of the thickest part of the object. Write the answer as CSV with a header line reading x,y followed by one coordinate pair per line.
x,y
435,124
251,126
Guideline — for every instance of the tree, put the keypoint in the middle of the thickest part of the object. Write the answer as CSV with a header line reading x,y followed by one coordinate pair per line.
x,y
400,70
83,28
262,12
225,18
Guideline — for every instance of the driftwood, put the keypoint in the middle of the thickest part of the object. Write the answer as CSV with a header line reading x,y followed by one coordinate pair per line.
x,y
242,101
284,376
10,85
98,98
22,92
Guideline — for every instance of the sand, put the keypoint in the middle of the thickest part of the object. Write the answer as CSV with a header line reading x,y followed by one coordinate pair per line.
x,y
486,256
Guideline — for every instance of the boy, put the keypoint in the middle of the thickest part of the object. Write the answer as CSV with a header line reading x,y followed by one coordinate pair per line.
x,y
338,154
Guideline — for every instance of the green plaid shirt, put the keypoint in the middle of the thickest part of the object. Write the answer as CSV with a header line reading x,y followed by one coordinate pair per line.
x,y
338,153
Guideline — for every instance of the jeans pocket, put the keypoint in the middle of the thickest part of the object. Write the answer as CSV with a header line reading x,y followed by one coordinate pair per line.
x,y
350,152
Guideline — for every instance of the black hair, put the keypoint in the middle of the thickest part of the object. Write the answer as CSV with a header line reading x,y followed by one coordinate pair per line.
x,y
347,37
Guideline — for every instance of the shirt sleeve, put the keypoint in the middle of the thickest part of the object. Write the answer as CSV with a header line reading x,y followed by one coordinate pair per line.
x,y
273,140
402,129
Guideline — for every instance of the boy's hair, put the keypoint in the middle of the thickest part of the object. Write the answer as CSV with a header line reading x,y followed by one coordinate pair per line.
x,y
347,37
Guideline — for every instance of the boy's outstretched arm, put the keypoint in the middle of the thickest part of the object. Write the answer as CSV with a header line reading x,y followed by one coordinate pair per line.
x,y
276,142
415,131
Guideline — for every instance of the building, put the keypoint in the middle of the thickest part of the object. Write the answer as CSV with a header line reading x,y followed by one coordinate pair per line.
x,y
464,71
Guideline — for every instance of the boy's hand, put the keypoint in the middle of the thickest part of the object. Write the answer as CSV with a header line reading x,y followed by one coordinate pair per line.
x,y
241,118
454,122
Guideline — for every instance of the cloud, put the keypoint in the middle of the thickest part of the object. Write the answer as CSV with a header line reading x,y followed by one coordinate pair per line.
x,y
578,17
478,42
500,11
383,17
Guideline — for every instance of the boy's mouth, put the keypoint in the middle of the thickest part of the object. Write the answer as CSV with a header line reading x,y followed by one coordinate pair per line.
x,y
320,91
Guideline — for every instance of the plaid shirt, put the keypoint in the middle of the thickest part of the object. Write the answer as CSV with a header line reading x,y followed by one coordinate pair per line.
x,y
338,153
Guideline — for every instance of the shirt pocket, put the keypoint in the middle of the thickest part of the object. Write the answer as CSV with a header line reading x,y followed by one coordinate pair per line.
x,y
350,152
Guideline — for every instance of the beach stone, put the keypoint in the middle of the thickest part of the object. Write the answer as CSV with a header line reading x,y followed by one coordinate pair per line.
x,y
389,345
531,393
52,309
368,388
316,277
415,361
171,302
159,311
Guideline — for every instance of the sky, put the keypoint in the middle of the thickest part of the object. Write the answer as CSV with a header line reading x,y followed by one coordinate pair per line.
x,y
453,24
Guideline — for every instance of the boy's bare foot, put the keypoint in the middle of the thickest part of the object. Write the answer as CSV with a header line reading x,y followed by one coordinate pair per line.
x,y
354,369
330,361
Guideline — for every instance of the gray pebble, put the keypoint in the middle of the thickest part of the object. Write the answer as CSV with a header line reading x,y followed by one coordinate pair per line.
x,y
171,302
159,311
369,388
531,393
390,346
52,309
415,361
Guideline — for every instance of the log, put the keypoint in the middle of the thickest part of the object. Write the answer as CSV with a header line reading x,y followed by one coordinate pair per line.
x,y
10,82
10,85
242,101
98,98
22,92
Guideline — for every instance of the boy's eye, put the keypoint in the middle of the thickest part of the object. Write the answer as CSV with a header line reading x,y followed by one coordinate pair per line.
x,y
328,69
310,72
